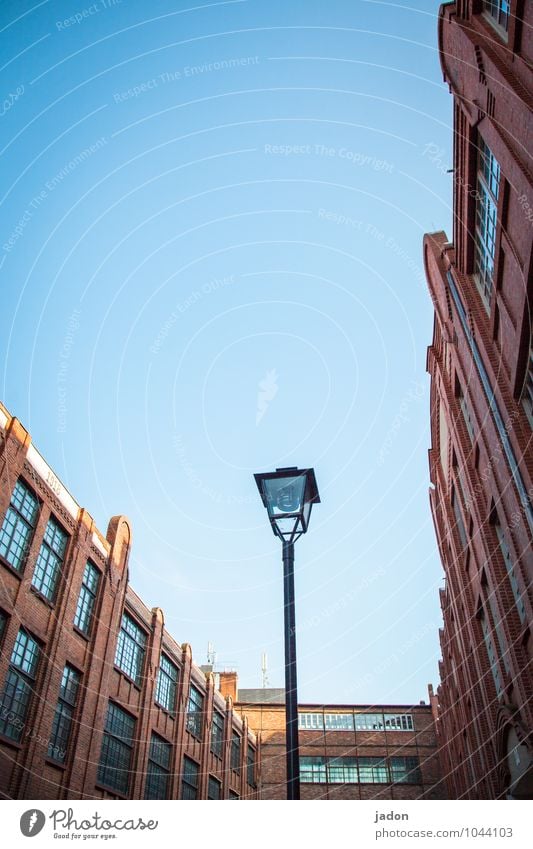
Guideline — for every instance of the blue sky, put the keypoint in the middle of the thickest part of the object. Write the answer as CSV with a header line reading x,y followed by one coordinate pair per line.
x,y
211,261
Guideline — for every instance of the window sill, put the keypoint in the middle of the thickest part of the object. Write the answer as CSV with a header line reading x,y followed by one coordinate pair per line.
x,y
52,762
127,677
42,597
81,633
113,790
10,742
7,565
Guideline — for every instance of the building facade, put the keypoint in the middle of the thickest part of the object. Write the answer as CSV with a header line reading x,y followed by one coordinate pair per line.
x,y
97,700
346,751
481,367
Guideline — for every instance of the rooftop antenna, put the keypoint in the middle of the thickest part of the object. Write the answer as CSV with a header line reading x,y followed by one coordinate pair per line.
x,y
264,668
211,654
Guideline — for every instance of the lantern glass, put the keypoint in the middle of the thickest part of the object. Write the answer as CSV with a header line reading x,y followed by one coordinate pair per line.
x,y
285,495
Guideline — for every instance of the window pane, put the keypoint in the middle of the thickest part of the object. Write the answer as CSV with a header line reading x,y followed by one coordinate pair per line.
x,y
339,721
313,770
189,784
50,559
87,598
117,743
131,642
213,790
235,751
194,712
343,771
251,766
158,775
311,721
217,734
373,771
17,528
405,770
167,678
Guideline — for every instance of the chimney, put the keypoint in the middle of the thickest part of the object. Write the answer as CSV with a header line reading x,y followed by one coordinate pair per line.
x,y
228,685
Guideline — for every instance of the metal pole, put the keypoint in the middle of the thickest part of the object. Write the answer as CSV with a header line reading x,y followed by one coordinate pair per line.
x,y
291,694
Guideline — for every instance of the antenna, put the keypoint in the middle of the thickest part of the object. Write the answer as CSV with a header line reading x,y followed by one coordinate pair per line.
x,y
264,668
211,654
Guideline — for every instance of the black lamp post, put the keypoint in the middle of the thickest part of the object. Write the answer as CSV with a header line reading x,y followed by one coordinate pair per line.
x,y
288,495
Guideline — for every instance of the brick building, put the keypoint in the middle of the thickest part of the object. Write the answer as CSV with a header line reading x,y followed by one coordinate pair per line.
x,y
346,751
481,367
97,700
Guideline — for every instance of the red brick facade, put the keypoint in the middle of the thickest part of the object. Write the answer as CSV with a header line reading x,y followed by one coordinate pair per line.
x,y
481,367
28,768
334,761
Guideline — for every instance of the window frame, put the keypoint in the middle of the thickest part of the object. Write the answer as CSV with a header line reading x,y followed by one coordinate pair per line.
x,y
216,744
111,740
128,645
170,684
186,774
195,712
19,684
64,715
156,769
86,591
20,520
50,560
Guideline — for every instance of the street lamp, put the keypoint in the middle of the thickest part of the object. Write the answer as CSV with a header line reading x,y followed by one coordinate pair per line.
x,y
288,495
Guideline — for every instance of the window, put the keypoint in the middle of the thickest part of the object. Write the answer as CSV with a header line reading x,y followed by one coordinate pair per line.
x,y
401,722
15,699
527,394
491,653
373,771
117,749
233,795
213,788
19,524
311,721
61,727
235,751
3,620
87,598
459,523
488,182
343,771
383,722
509,565
189,784
130,648
498,10
465,409
250,766
158,773
194,712
338,721
217,734
50,559
313,770
405,771
167,682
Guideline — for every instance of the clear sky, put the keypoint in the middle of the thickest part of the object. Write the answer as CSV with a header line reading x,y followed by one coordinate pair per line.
x,y
211,263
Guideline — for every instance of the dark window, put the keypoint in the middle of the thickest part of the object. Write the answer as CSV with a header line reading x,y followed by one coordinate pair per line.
x,y
117,749
18,687
57,747
527,393
217,734
130,648
233,795
213,788
235,751
18,526
250,766
158,775
3,620
194,712
405,771
167,682
87,598
189,784
50,559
